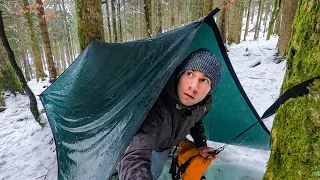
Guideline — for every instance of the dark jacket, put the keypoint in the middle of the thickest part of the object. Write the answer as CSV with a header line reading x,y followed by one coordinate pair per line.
x,y
166,125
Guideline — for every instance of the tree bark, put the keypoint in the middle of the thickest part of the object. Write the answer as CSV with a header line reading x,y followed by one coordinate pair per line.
x,y
266,15
33,101
34,44
207,7
248,21
223,25
274,16
278,19
148,17
68,36
159,28
289,11
258,23
46,41
175,17
114,21
90,23
119,22
235,22
295,142
24,56
108,20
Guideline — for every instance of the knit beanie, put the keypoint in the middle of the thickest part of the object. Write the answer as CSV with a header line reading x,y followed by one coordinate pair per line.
x,y
205,61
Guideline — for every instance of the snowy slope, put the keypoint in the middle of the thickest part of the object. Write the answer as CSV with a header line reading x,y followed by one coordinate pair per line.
x,y
28,152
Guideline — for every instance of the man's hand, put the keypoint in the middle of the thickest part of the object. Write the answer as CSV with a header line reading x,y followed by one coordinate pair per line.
x,y
203,151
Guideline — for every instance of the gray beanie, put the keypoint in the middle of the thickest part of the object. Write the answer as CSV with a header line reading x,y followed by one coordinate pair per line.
x,y
205,61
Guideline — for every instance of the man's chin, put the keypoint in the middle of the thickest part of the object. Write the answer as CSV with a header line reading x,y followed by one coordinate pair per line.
x,y
187,103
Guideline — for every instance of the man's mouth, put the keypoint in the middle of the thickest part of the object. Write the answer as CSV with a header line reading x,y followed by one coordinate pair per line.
x,y
189,96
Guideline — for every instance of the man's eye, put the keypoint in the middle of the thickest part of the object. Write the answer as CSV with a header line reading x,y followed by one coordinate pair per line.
x,y
189,74
204,80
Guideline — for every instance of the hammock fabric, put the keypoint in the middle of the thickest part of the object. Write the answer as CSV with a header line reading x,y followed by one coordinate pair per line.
x,y
96,106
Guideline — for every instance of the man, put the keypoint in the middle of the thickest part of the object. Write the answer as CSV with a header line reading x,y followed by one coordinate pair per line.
x,y
178,111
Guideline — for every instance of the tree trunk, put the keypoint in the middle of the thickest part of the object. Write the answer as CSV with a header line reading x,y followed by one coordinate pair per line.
x,y
66,29
147,16
33,101
34,44
159,28
46,41
248,21
258,23
24,56
252,11
278,19
119,22
90,23
266,16
289,11
235,23
175,18
10,81
114,21
223,25
295,142
196,9
274,16
207,7
108,20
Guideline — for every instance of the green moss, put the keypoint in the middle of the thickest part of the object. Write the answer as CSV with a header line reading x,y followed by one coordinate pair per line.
x,y
89,21
295,142
2,102
296,139
303,60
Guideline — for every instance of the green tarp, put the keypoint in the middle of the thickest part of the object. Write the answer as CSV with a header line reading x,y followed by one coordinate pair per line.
x,y
96,106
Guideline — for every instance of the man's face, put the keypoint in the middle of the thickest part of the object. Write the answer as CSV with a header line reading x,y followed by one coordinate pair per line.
x,y
193,87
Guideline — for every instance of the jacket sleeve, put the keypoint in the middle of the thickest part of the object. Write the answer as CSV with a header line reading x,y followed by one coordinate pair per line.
x,y
197,131
135,163
198,134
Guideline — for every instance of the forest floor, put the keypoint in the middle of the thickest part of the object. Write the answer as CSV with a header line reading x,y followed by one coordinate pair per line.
x,y
28,152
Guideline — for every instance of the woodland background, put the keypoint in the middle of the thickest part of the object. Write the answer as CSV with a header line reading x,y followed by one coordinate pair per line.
x,y
46,36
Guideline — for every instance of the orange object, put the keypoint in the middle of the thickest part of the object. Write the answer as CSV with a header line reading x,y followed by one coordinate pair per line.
x,y
198,164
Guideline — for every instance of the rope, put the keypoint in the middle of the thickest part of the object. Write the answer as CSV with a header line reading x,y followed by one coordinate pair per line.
x,y
225,6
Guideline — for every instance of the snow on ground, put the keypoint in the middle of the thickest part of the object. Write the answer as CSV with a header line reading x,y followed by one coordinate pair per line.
x,y
28,152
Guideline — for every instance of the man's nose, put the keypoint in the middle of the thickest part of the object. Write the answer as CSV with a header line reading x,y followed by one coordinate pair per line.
x,y
194,86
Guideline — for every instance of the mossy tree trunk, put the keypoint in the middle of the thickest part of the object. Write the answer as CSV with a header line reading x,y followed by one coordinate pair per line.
x,y
289,11
34,44
295,136
18,71
9,81
46,41
90,23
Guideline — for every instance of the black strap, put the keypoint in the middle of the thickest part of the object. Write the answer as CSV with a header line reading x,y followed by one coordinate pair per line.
x,y
296,91
176,169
